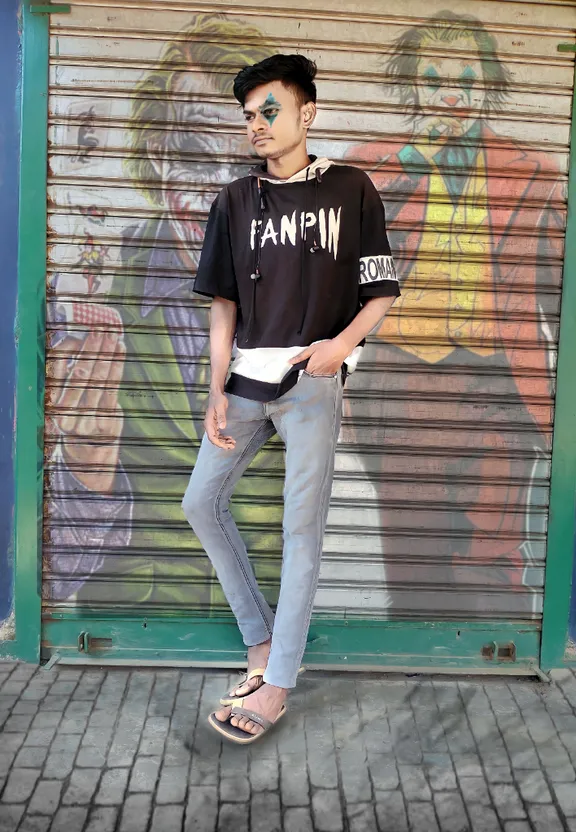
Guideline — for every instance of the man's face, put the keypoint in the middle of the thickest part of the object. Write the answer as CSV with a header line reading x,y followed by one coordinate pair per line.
x,y
188,183
275,121
453,87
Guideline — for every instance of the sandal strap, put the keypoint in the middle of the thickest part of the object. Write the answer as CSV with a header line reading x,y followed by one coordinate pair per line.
x,y
259,671
253,717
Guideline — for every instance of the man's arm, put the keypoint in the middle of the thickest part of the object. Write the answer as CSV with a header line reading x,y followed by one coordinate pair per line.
x,y
327,357
222,330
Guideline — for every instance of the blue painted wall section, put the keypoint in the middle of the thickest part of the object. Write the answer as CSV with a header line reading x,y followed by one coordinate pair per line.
x,y
10,65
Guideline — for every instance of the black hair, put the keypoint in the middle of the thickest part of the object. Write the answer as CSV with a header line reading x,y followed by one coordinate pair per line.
x,y
296,72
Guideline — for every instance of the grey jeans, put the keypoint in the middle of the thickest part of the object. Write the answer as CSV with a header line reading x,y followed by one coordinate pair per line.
x,y
307,419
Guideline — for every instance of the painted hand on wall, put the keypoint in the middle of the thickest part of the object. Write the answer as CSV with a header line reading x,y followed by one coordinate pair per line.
x,y
89,417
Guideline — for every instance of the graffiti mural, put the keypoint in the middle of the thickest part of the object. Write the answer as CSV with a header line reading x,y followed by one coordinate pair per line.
x,y
472,319
118,482
440,496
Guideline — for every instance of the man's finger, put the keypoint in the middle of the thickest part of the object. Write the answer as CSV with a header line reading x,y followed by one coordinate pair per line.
x,y
110,410
302,356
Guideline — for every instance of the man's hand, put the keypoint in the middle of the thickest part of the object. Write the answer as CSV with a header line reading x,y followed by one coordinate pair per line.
x,y
86,413
434,132
215,421
326,357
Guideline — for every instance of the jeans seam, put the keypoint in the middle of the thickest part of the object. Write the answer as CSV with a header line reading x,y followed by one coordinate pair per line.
x,y
325,500
225,533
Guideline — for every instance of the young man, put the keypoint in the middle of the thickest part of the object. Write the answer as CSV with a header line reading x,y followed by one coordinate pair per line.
x,y
297,261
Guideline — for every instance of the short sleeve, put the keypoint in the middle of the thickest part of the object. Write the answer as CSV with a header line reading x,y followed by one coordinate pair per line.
x,y
377,271
215,276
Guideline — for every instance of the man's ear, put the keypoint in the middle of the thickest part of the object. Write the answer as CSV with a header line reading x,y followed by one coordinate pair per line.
x,y
308,114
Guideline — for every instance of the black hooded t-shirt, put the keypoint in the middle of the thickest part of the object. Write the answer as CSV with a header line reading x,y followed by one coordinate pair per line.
x,y
299,257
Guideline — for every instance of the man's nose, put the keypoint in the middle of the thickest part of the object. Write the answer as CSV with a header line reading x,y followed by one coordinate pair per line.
x,y
451,100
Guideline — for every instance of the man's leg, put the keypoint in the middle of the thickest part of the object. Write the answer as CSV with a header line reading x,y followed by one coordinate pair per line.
x,y
308,420
206,507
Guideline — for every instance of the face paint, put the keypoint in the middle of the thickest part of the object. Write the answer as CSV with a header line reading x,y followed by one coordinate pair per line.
x,y
433,80
467,81
270,109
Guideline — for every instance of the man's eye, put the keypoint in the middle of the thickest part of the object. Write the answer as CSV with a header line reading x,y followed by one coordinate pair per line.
x,y
268,113
249,117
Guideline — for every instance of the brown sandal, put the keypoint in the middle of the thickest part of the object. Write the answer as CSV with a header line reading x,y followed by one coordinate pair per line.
x,y
231,697
237,735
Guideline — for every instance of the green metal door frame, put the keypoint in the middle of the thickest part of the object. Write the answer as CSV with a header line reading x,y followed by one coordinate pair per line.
x,y
454,645
562,518
30,332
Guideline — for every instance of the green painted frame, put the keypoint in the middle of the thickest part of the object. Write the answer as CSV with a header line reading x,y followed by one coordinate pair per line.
x,y
30,337
450,645
562,520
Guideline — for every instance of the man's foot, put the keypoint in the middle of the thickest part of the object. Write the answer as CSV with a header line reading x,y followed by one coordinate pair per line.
x,y
266,701
257,657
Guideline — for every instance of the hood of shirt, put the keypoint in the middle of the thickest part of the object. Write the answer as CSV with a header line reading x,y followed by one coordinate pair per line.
x,y
309,172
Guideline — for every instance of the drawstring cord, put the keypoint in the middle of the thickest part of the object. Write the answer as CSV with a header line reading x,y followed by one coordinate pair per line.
x,y
314,248
255,276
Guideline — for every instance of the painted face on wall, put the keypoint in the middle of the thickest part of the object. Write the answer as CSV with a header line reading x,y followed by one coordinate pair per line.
x,y
190,137
452,88
276,122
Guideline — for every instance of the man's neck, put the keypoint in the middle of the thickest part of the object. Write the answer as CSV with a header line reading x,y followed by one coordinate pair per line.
x,y
286,166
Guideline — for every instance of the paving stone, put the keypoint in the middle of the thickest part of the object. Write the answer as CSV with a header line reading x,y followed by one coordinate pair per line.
x,y
53,705
135,813
422,816
25,708
451,812
327,810
441,776
12,742
293,781
204,772
68,743
21,783
167,818
563,774
35,823
533,787
63,688
391,812
355,779
58,766
517,826
322,767
81,709
46,798
82,786
475,790
566,796
173,784
234,789
499,774
483,819
40,737
91,757
73,725
6,761
507,801
545,819
298,820
265,813
264,774
383,772
103,819
361,817
234,760
19,723
414,783
10,817
112,787
201,809
232,817
467,765
69,818
30,757
145,774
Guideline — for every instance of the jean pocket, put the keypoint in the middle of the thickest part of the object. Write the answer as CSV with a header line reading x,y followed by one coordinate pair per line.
x,y
321,375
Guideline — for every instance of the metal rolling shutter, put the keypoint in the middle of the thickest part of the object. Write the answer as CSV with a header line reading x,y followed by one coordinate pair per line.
x,y
440,500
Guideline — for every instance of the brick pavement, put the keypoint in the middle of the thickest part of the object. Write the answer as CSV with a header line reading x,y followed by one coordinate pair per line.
x,y
120,750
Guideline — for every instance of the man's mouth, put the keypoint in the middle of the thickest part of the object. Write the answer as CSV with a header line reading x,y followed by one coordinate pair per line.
x,y
260,139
